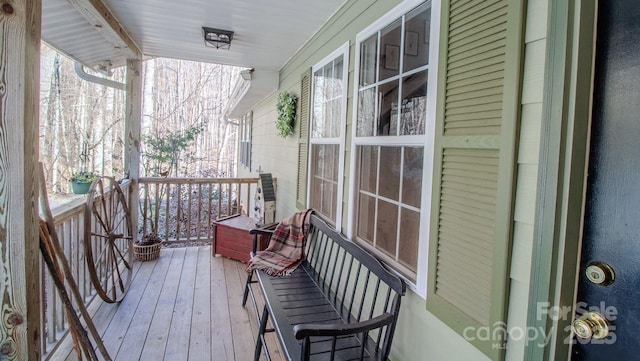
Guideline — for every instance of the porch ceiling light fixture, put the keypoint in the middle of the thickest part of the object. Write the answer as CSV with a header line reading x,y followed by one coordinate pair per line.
x,y
217,38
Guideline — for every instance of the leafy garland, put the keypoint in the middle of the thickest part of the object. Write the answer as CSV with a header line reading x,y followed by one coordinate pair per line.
x,y
286,113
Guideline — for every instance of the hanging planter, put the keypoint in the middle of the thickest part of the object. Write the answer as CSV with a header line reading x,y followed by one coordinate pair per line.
x,y
286,114
81,181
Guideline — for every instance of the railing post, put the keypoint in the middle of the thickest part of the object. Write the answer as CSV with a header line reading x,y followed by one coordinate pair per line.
x,y
133,117
20,23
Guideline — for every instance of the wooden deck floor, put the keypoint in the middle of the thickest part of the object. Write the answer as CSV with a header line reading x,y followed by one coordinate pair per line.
x,y
186,305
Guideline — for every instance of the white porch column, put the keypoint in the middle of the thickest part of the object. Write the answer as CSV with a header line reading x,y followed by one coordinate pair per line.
x,y
19,111
133,119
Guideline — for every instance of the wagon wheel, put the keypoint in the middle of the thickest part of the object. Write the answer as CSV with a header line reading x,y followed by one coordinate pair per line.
x,y
108,241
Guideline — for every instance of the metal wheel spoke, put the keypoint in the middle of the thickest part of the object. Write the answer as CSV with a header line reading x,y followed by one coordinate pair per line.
x,y
113,274
101,220
115,264
104,204
112,201
100,255
99,235
122,219
126,264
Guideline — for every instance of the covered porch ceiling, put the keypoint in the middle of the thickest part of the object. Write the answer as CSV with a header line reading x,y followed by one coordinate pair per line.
x,y
102,34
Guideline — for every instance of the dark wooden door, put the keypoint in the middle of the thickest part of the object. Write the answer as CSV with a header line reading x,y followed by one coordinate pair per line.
x,y
609,279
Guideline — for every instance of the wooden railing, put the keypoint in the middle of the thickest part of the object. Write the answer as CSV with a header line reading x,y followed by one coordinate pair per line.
x,y
69,224
177,209
184,209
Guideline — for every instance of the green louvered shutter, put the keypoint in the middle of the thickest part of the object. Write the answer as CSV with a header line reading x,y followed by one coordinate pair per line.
x,y
303,143
474,167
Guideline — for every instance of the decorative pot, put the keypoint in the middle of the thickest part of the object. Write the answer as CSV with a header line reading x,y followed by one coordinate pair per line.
x,y
80,187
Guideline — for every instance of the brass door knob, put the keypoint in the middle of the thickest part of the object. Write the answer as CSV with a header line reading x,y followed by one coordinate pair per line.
x,y
591,325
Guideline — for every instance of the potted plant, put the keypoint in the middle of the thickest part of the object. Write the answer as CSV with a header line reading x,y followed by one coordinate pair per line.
x,y
148,247
81,181
286,113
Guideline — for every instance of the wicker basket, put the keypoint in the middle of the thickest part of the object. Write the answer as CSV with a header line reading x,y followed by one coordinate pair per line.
x,y
147,253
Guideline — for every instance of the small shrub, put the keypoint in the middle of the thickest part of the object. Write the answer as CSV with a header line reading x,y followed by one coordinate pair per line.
x,y
149,239
83,177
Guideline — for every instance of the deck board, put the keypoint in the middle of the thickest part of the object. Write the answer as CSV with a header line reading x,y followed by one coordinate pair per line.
x,y
221,338
200,341
186,305
134,337
158,336
241,331
180,329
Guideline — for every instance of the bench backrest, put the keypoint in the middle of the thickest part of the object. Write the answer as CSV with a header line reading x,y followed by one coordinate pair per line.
x,y
357,284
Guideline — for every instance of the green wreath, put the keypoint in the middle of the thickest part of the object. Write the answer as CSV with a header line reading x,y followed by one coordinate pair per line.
x,y
286,114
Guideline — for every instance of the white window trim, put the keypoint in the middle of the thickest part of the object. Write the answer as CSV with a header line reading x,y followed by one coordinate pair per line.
x,y
344,51
427,140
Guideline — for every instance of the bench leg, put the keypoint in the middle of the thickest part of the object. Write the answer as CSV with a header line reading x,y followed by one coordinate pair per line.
x,y
263,326
246,288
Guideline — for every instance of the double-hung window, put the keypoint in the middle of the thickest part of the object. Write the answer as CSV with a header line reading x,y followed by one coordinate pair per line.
x,y
326,149
392,139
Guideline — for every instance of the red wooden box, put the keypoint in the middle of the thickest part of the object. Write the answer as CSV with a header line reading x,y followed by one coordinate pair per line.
x,y
232,238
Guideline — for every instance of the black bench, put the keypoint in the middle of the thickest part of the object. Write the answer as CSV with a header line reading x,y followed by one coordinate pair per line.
x,y
340,304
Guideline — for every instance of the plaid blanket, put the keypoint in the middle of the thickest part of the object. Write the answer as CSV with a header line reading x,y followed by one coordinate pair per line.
x,y
284,253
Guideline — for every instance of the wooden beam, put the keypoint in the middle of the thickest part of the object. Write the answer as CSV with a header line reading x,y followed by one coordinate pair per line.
x,y
20,22
103,20
132,121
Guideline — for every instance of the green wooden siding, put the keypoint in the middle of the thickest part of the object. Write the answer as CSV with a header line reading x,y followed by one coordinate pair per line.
x,y
475,150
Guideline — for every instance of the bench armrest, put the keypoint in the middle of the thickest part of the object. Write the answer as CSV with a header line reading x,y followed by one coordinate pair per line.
x,y
304,330
265,230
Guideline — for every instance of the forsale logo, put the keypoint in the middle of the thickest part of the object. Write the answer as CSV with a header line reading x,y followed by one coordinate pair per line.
x,y
499,332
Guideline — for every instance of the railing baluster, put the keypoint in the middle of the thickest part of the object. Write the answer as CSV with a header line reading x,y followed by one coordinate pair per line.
x,y
228,199
199,225
219,201
156,218
188,225
238,199
209,210
166,213
145,207
178,213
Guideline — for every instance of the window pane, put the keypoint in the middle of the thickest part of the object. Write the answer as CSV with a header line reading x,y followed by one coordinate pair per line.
x,y
318,115
324,179
390,161
337,77
409,232
412,176
366,217
387,227
337,87
368,168
390,50
328,89
329,193
414,104
388,118
368,60
416,38
334,125
366,112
